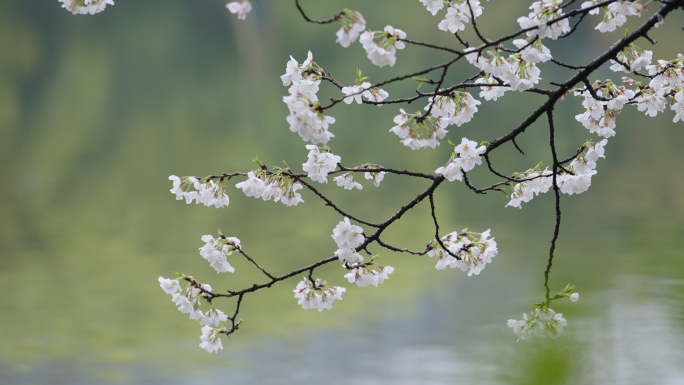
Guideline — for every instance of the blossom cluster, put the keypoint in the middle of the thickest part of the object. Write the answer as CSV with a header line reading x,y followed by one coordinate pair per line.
x,y
542,322
464,158
542,13
210,339
353,24
355,92
363,275
418,131
278,186
348,237
375,176
85,7
456,108
317,295
607,99
459,12
306,116
668,80
381,46
347,181
633,57
205,191
518,71
473,251
534,182
584,167
575,179
188,301
215,251
615,14
241,8
319,164
600,115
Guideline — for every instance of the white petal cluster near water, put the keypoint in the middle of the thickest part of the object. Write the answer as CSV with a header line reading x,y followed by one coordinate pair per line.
x,y
85,7
240,8
474,251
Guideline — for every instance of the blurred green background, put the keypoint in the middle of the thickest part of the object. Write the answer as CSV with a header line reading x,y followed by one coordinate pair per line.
x,y
97,111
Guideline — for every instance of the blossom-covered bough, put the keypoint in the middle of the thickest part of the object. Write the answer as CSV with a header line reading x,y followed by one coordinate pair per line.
x,y
509,63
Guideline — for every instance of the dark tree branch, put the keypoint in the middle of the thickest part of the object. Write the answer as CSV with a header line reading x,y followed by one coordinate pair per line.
x,y
328,21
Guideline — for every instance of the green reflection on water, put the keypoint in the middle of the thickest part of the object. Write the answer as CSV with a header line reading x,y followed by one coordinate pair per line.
x,y
96,112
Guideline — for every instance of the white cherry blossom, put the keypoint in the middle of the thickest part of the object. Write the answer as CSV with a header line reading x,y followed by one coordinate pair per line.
x,y
442,106
375,94
541,323
317,295
347,236
615,14
215,251
177,187
210,340
538,182
363,275
349,255
652,101
353,24
375,176
575,184
475,251
600,115
241,8
542,12
253,186
533,53
433,6
381,47
206,192
84,7
320,164
417,131
522,75
667,73
347,181
634,57
458,14
466,107
170,286
464,158
355,92
490,92
597,150
213,316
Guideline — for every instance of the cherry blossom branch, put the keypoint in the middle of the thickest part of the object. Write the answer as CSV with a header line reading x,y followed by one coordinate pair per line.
x,y
583,74
466,153
328,202
239,250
